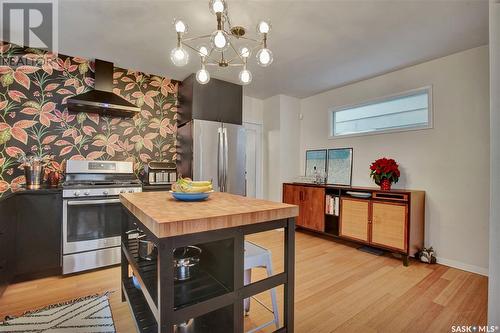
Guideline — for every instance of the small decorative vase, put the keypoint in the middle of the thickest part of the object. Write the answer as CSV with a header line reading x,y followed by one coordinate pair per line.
x,y
53,179
385,184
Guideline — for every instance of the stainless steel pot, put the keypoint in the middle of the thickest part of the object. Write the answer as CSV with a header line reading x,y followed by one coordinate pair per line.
x,y
186,327
186,262
147,249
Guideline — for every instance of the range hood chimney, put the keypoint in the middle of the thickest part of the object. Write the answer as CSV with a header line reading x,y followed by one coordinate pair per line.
x,y
102,100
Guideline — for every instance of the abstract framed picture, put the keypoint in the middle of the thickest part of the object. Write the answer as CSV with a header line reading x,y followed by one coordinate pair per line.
x,y
339,170
315,160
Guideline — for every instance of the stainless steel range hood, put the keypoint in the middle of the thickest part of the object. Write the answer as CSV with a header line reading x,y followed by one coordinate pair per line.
x,y
102,100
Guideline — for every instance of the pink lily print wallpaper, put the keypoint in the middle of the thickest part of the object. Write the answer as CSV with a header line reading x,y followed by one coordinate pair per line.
x,y
34,119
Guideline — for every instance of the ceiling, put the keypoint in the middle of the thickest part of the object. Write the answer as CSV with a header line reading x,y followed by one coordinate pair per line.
x,y
317,45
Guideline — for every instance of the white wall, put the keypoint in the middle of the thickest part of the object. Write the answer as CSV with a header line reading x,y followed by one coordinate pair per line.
x,y
290,139
494,277
271,147
281,143
450,162
253,110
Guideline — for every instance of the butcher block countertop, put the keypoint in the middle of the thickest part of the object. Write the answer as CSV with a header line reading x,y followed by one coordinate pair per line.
x,y
167,217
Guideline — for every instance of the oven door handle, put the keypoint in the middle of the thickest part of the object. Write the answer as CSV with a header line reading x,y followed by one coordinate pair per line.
x,y
91,202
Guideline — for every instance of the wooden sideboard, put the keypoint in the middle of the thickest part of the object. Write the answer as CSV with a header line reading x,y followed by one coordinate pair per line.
x,y
390,220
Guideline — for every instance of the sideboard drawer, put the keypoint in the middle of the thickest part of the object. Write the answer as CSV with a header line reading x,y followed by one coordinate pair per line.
x,y
403,197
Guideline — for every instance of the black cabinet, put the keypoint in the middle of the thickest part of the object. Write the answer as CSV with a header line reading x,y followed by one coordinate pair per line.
x,y
216,101
30,235
38,235
7,241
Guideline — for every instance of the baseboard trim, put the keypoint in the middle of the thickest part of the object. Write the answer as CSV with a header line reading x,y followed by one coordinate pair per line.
x,y
465,267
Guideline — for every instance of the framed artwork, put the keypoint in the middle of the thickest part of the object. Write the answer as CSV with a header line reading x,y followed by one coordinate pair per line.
x,y
339,166
315,159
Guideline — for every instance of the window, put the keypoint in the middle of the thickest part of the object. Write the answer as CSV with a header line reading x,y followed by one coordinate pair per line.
x,y
410,110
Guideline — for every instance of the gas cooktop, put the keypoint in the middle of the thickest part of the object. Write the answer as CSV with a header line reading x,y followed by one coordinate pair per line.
x,y
97,183
84,174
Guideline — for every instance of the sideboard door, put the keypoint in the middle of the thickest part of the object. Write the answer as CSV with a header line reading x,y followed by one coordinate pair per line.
x,y
354,217
389,225
292,194
313,206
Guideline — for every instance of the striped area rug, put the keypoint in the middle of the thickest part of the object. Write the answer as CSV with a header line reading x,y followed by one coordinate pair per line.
x,y
91,314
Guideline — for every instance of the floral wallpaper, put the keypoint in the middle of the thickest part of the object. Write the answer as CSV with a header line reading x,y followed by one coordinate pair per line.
x,y
34,87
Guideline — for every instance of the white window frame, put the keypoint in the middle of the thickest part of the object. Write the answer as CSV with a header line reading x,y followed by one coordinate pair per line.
x,y
430,111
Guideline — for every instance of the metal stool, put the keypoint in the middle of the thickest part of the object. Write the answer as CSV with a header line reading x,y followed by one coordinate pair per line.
x,y
257,256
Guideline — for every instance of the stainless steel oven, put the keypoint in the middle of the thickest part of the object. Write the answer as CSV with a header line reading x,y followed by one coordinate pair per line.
x,y
92,216
91,224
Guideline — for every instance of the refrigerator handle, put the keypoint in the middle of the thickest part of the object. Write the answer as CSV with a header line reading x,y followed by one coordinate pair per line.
x,y
226,160
220,149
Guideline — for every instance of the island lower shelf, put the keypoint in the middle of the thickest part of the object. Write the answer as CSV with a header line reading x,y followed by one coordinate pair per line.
x,y
146,322
199,288
212,300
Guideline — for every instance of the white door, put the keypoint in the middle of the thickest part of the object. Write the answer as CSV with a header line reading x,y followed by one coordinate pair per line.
x,y
253,160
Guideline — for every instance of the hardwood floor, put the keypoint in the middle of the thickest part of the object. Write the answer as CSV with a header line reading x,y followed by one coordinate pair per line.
x,y
338,289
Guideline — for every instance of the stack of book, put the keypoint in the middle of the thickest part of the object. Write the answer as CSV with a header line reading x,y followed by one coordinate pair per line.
x,y
332,205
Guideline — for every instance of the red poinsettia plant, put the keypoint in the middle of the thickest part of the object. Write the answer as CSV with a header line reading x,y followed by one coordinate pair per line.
x,y
385,168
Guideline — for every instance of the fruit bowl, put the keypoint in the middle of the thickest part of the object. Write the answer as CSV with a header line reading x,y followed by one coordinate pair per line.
x,y
186,196
185,189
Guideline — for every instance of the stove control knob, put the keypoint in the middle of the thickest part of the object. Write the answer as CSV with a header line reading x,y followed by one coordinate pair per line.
x,y
130,191
105,192
76,193
123,191
86,193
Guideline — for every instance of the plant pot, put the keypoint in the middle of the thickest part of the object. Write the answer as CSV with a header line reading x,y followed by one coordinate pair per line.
x,y
34,175
385,184
53,178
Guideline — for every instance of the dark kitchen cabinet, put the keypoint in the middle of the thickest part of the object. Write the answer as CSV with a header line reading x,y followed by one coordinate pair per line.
x,y
216,101
7,241
30,235
38,235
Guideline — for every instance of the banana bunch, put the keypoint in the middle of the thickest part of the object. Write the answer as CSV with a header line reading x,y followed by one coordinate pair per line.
x,y
189,186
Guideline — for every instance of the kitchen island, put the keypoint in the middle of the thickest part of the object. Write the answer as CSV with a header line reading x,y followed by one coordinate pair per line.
x,y
212,300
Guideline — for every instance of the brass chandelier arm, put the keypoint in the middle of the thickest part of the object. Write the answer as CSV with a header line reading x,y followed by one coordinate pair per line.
x,y
218,65
195,38
198,52
217,62
238,55
252,39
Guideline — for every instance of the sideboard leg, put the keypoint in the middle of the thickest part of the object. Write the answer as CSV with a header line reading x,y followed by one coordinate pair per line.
x,y
406,260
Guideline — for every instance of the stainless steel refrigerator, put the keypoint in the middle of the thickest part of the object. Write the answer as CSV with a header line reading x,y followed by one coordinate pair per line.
x,y
209,150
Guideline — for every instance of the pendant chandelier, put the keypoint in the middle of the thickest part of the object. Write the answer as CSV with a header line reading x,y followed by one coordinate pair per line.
x,y
222,49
